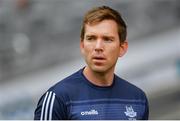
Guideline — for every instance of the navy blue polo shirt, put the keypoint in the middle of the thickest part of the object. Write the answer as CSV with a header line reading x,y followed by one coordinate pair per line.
x,y
76,98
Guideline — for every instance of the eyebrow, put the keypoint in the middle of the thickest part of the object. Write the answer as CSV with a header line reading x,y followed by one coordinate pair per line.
x,y
111,37
90,35
104,36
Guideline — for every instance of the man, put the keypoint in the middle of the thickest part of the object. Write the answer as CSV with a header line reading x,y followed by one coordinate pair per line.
x,y
95,92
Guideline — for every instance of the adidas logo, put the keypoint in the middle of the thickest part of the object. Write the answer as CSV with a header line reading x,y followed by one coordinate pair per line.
x,y
91,112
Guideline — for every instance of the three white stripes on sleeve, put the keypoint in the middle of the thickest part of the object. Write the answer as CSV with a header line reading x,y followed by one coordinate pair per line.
x,y
47,107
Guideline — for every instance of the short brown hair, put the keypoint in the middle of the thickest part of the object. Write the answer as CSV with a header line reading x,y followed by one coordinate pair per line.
x,y
99,14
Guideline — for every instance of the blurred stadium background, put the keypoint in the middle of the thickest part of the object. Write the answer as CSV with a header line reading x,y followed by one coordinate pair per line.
x,y
40,45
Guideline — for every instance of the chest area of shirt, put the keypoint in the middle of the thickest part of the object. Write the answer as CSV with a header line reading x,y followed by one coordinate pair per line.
x,y
102,109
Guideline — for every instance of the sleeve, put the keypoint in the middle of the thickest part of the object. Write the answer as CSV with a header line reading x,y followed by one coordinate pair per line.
x,y
50,107
146,112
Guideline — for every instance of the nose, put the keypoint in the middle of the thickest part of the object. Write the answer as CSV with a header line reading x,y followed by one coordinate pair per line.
x,y
99,45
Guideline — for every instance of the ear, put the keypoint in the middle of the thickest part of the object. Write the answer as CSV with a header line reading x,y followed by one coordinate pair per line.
x,y
123,48
82,46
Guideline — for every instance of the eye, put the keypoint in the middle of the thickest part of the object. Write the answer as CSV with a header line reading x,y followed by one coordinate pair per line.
x,y
90,38
108,39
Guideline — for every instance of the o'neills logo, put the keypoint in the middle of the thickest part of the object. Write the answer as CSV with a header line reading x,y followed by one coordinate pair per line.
x,y
91,112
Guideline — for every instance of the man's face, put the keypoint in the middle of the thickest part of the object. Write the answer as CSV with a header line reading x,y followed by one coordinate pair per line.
x,y
101,46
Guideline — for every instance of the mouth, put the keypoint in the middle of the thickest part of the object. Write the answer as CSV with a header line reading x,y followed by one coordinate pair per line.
x,y
99,58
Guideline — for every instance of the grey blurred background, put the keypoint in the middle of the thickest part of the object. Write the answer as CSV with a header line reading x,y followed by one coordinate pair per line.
x,y
39,45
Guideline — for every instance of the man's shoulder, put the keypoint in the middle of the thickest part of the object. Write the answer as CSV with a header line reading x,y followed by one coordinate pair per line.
x,y
130,88
67,84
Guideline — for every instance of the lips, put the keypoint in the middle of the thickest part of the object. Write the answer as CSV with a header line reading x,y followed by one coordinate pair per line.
x,y
98,60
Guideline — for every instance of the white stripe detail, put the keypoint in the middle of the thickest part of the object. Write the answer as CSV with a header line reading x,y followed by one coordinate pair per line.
x,y
51,107
42,110
47,105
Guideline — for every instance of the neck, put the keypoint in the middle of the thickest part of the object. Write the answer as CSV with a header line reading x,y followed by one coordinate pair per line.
x,y
99,78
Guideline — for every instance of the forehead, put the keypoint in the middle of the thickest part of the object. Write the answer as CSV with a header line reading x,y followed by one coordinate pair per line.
x,y
107,27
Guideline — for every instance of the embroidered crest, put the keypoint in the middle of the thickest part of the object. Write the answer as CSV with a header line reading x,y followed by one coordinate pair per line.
x,y
130,112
